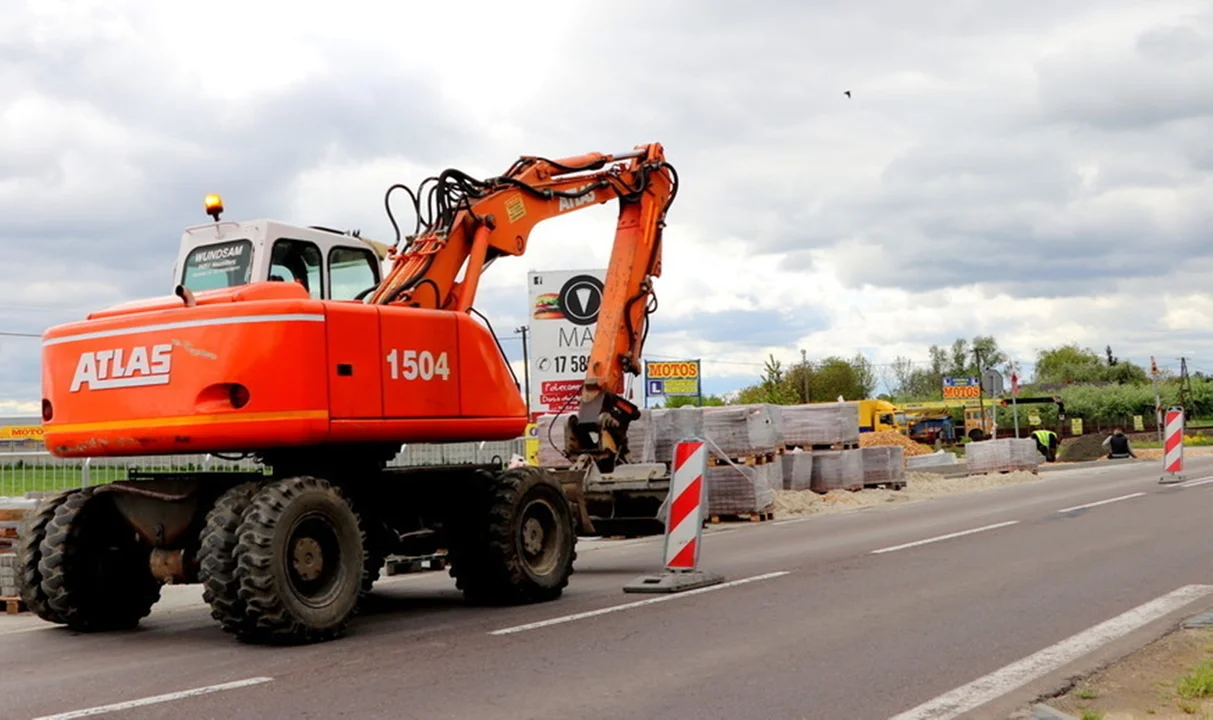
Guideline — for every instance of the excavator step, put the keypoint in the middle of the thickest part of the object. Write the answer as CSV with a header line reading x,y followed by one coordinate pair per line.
x,y
405,565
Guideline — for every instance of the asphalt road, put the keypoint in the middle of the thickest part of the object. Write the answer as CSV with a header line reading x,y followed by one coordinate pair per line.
x,y
848,616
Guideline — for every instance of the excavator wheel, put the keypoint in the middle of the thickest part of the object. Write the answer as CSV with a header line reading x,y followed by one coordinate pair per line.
x,y
301,562
217,556
29,554
95,571
518,544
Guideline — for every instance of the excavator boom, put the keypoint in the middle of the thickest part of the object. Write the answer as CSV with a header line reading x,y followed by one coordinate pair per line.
x,y
474,222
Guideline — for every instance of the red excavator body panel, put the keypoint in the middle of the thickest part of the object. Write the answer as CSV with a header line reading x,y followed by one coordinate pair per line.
x,y
264,366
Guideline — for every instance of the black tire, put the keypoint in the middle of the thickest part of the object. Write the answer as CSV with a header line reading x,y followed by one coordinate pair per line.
x,y
498,557
95,571
217,563
290,600
29,554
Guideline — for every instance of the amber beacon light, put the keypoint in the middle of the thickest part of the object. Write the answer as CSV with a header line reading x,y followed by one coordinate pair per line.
x,y
214,206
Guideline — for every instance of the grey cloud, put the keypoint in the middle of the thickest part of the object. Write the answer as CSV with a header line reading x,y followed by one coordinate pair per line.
x,y
753,328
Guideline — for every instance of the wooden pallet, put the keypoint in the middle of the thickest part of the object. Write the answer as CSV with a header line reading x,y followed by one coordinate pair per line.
x,y
747,460
762,516
13,605
892,485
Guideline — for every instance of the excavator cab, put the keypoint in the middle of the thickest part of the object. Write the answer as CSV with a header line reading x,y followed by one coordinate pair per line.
x,y
329,264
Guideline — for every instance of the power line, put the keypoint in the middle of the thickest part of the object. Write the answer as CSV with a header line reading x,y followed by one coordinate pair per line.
x,y
20,334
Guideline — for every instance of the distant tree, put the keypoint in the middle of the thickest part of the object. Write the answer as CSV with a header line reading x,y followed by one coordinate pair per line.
x,y
1070,363
680,401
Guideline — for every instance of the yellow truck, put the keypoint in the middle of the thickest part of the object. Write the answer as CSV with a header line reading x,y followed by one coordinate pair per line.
x,y
881,415
975,426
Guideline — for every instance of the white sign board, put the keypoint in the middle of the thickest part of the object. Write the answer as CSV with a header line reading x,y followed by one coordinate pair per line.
x,y
564,314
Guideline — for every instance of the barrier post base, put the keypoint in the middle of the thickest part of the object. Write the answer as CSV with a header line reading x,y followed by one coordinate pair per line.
x,y
673,581
1170,479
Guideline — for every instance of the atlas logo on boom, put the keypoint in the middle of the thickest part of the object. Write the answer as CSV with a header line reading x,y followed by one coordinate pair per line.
x,y
111,369
568,203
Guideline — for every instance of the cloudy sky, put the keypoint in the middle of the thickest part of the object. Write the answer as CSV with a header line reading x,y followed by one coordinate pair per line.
x,y
1039,171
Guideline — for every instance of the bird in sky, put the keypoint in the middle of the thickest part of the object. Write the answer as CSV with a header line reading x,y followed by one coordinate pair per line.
x,y
847,93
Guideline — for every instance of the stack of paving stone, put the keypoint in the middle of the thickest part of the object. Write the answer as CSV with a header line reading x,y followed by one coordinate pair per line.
x,y
820,424
837,470
668,426
742,443
797,470
883,465
1006,455
8,575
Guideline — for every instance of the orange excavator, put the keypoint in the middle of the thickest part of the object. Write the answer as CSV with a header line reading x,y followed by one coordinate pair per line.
x,y
319,353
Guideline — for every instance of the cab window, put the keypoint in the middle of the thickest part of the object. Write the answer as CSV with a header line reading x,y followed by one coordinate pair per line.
x,y
218,265
298,261
351,270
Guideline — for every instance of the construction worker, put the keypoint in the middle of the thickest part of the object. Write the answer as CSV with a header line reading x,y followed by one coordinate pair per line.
x,y
1118,445
1047,443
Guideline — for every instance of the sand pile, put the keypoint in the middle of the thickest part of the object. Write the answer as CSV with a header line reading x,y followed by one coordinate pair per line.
x,y
1083,448
888,437
918,486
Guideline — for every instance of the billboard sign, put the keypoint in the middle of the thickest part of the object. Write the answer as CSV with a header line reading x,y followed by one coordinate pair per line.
x,y
678,378
961,387
564,314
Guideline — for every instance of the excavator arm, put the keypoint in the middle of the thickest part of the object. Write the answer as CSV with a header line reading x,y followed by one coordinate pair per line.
x,y
464,224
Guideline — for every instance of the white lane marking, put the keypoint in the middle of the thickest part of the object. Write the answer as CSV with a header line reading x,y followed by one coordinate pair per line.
x,y
640,603
1101,502
167,697
949,536
1011,677
1198,481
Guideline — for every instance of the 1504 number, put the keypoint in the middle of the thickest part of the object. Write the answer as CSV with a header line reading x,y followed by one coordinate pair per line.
x,y
412,364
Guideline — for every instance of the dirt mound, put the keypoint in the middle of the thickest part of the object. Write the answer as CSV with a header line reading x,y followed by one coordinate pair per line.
x,y
889,437
1083,448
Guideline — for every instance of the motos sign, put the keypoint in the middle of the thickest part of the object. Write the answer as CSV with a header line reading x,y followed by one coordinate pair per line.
x,y
672,378
123,367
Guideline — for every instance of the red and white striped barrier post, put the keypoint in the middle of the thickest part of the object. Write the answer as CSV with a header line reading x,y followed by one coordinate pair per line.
x,y
1173,445
683,525
684,522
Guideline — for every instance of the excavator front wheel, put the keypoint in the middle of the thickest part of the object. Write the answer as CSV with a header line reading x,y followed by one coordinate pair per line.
x,y
29,555
518,544
95,572
301,561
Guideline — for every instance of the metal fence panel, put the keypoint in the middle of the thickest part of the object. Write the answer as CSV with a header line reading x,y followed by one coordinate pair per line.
x,y
30,471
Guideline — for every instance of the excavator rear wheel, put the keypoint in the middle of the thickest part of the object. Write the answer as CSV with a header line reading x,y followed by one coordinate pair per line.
x,y
217,566
518,544
95,571
301,562
29,554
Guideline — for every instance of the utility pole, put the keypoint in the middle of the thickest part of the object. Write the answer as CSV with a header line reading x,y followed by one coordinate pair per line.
x,y
981,393
526,369
1015,396
1157,400
804,373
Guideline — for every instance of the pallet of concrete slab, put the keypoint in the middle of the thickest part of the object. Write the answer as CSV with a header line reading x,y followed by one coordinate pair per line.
x,y
739,491
1001,456
797,467
732,431
8,577
820,426
837,470
884,466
